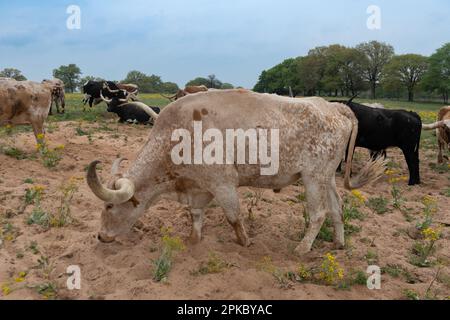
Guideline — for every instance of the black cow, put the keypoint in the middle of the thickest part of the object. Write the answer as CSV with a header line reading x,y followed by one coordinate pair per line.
x,y
380,129
94,89
135,112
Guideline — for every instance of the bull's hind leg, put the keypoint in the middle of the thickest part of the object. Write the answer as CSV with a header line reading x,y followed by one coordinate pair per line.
x,y
440,147
198,202
227,197
317,198
335,204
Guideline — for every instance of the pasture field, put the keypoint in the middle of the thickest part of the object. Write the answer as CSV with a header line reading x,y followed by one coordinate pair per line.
x,y
49,220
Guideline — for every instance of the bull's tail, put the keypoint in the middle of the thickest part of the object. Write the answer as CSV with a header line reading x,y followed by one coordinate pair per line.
x,y
371,172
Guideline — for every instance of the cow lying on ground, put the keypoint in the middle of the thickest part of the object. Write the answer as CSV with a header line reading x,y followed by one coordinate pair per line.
x,y
58,94
135,112
379,129
186,91
25,102
312,138
109,89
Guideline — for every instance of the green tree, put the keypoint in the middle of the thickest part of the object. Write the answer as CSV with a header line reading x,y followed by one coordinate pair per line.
x,y
169,87
70,75
199,81
310,71
12,73
351,70
279,78
214,82
408,70
378,54
438,76
147,84
211,82
227,86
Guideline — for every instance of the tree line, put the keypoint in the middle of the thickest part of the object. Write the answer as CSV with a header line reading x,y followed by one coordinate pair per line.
x,y
71,76
370,69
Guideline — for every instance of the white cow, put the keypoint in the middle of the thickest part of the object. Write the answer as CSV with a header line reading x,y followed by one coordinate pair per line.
x,y
313,136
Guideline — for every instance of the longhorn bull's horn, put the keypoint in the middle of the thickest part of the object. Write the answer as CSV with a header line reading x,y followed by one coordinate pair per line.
x,y
170,98
147,109
132,96
104,99
124,187
351,99
106,86
436,125
115,169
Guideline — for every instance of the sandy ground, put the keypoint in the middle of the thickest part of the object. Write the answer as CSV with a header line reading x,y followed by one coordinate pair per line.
x,y
124,270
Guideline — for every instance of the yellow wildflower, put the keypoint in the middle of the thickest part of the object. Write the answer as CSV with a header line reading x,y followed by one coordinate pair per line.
x,y
390,172
358,195
6,289
40,136
430,234
331,270
303,272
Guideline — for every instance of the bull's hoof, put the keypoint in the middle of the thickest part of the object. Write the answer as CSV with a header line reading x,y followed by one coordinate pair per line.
x,y
195,238
302,249
339,245
245,242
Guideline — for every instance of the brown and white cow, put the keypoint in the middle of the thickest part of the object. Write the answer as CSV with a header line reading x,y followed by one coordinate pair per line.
x,y
25,102
442,127
58,94
186,91
313,135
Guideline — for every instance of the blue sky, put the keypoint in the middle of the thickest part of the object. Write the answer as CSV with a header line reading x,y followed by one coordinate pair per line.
x,y
180,40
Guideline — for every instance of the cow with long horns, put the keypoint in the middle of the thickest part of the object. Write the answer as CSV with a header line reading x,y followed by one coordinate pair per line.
x,y
307,137
93,89
135,112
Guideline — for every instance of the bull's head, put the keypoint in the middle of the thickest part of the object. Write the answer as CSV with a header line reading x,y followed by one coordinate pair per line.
x,y
121,209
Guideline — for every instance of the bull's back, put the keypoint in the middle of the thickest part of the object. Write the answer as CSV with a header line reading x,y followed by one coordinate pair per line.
x,y
21,100
309,128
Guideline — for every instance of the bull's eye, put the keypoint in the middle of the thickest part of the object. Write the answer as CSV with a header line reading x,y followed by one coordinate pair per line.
x,y
109,206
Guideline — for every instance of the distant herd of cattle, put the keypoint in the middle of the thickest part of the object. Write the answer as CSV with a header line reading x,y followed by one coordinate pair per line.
x,y
318,130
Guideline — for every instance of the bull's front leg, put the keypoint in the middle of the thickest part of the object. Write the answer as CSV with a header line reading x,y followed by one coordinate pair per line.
x,y
197,225
440,156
